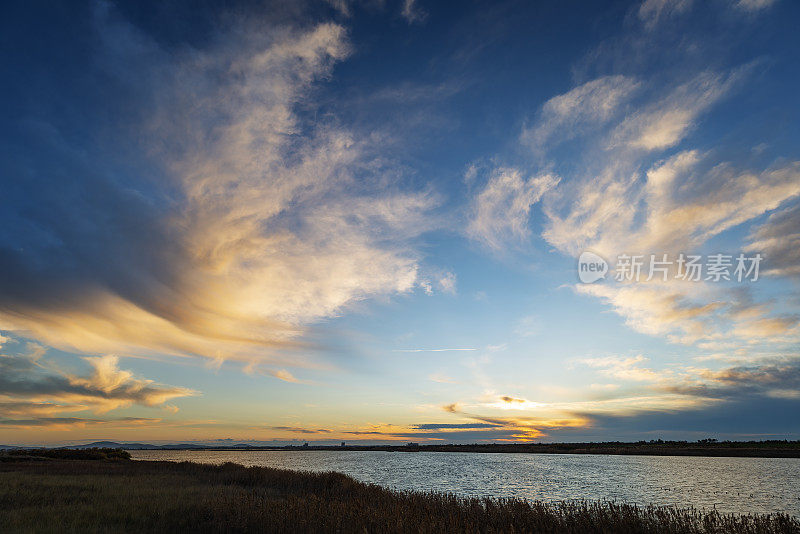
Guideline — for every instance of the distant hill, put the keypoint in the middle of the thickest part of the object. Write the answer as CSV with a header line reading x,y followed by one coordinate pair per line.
x,y
111,445
133,446
137,446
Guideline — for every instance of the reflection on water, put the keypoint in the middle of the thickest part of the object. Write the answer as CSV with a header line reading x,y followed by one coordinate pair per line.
x,y
741,485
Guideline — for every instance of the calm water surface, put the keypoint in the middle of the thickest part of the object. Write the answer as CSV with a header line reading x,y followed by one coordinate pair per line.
x,y
741,485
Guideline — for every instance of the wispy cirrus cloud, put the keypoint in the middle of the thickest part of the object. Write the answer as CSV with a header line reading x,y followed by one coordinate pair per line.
x,y
500,211
677,205
652,12
623,368
667,121
778,238
754,5
412,12
644,180
698,314
241,223
586,106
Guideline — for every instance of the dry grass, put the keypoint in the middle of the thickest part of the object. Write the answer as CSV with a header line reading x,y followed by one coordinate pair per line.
x,y
16,455
59,495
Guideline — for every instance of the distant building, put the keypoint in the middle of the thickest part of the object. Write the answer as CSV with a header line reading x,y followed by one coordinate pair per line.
x,y
305,444
343,444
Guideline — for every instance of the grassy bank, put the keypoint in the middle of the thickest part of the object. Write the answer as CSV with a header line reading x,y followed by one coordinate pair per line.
x,y
112,494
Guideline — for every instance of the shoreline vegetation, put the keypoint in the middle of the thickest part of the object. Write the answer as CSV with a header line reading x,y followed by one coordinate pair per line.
x,y
102,490
706,447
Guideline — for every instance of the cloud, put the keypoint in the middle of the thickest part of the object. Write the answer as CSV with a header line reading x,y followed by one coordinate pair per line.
x,y
697,313
507,402
480,429
686,387
630,187
778,240
754,5
448,283
780,379
667,121
535,419
678,206
29,386
651,12
469,435
608,206
441,281
283,374
443,426
643,392
301,430
623,368
635,185
500,212
593,103
342,6
412,12
37,409
442,379
658,310
434,350
235,224
452,408
56,423
772,328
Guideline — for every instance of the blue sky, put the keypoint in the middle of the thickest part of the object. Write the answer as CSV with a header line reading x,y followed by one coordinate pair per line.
x,y
361,221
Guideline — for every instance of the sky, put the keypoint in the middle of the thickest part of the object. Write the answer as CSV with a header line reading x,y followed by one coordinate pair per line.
x,y
375,221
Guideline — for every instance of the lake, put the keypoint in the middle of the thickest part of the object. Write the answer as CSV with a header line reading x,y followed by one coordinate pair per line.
x,y
740,485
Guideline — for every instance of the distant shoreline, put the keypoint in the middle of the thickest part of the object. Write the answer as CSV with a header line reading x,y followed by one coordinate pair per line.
x,y
708,448
733,449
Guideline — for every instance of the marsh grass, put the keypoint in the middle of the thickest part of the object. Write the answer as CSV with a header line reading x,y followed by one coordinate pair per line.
x,y
116,495
15,455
